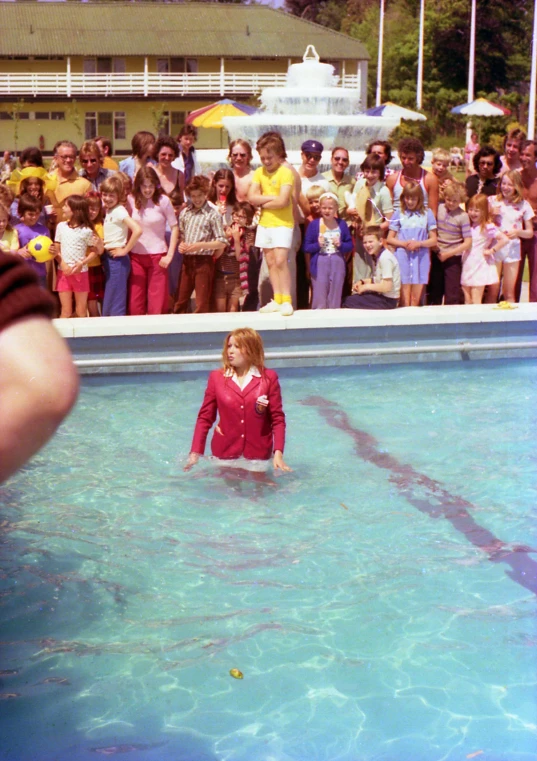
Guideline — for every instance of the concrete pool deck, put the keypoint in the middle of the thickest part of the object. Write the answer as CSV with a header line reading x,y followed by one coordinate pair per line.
x,y
321,337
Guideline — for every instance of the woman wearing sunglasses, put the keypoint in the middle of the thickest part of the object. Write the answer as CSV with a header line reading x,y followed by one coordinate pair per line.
x,y
91,161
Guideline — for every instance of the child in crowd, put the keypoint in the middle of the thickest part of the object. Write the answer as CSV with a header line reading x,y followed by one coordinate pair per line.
x,y
478,266
313,194
77,245
222,193
150,256
413,232
174,270
34,187
202,235
370,205
327,244
117,245
454,238
514,216
127,185
29,212
6,199
371,202
441,160
382,290
9,240
95,267
271,189
241,238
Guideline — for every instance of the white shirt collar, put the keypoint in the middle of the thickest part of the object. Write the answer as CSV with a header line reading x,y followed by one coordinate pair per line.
x,y
253,372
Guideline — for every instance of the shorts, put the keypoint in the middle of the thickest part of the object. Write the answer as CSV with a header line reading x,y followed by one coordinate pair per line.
x,y
414,266
274,237
227,286
96,283
76,283
509,253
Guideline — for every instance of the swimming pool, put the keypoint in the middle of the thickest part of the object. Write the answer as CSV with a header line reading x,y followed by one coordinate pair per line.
x,y
380,600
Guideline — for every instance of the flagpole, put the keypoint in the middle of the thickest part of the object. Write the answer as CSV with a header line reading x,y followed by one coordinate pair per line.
x,y
533,78
379,62
471,67
419,88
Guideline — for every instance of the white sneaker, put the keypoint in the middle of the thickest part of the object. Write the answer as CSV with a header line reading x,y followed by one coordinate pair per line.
x,y
286,309
270,308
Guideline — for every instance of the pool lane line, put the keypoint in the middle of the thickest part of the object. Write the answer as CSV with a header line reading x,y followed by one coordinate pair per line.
x,y
436,502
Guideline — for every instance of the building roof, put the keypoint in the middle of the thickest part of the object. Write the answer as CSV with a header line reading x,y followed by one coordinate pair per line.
x,y
165,29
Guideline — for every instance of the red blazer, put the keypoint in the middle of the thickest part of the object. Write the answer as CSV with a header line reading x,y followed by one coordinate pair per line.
x,y
247,429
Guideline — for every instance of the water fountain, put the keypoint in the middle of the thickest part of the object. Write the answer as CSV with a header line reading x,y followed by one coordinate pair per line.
x,y
311,105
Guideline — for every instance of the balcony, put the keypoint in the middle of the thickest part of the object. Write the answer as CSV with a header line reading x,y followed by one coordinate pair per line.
x,y
143,84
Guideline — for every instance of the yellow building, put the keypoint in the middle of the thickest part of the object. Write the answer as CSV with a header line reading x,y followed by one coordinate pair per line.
x,y
77,70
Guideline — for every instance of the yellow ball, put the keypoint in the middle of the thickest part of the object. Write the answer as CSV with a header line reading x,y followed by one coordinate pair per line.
x,y
40,248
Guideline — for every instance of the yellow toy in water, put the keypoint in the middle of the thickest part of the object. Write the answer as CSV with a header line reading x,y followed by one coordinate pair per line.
x,y
40,248
236,674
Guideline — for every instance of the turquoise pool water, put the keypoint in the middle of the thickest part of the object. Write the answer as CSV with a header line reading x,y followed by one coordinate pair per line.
x,y
379,600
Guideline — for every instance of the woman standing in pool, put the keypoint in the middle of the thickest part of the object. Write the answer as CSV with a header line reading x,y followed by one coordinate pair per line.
x,y
247,398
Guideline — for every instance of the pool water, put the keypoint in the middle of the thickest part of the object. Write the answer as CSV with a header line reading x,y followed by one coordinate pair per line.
x,y
379,600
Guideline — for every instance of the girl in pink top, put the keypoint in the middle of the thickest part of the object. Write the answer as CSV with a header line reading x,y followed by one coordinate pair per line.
x,y
150,256
478,265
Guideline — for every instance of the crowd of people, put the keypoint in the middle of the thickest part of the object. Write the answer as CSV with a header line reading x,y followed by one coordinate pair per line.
x,y
155,235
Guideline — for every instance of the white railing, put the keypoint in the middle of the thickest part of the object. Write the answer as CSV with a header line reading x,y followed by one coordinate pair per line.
x,y
143,84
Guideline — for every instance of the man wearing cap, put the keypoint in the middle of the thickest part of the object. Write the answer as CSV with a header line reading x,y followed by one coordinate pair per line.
x,y
311,154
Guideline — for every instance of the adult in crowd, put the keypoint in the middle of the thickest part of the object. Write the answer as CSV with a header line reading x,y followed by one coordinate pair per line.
x,y
240,160
382,149
308,171
311,153
528,157
7,165
165,152
68,181
91,160
511,150
105,146
247,398
187,161
142,145
38,381
411,155
487,165
470,149
339,180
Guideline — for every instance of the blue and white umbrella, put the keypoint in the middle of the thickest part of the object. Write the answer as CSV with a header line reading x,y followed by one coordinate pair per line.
x,y
395,112
481,107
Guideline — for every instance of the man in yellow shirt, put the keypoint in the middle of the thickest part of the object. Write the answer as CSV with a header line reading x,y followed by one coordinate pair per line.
x,y
69,183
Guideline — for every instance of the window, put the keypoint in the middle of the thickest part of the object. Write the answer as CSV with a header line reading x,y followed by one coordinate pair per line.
x,y
90,125
105,119
105,65
177,65
5,116
120,125
178,120
46,115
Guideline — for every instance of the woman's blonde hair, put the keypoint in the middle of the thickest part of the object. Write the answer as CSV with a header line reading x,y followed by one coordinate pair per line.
x,y
516,179
250,343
